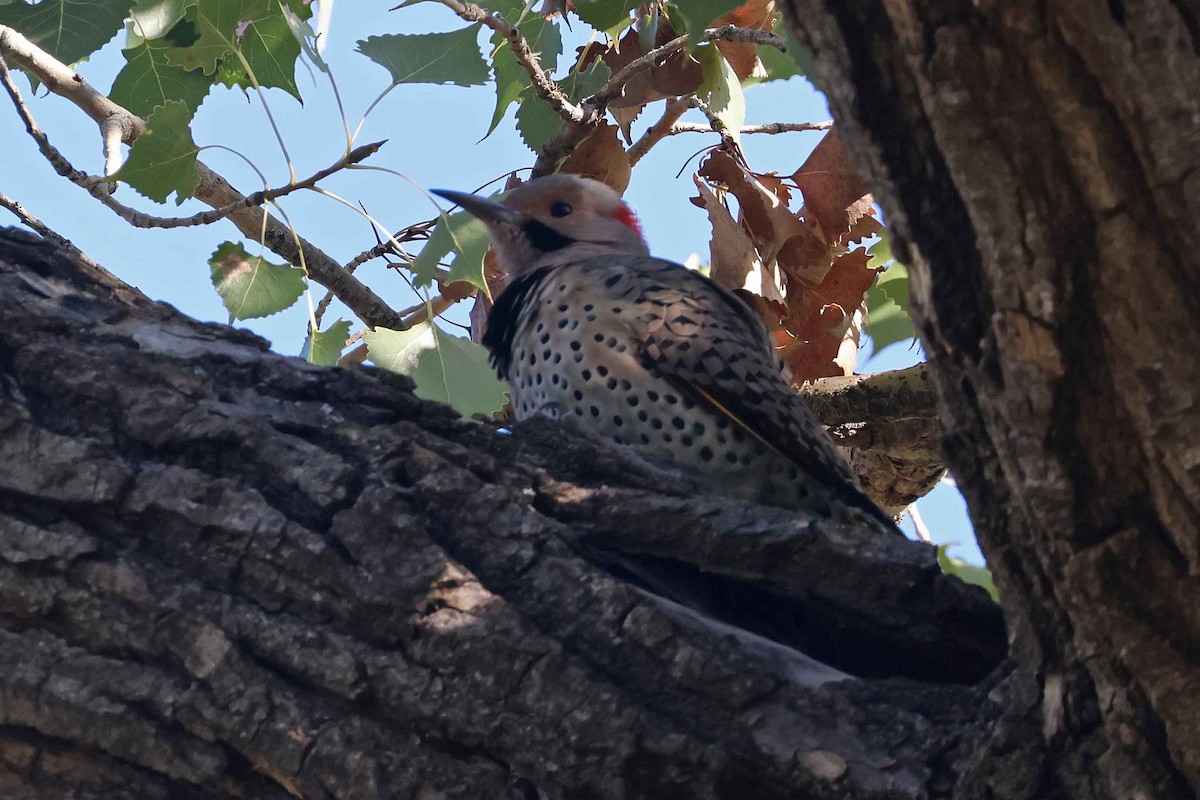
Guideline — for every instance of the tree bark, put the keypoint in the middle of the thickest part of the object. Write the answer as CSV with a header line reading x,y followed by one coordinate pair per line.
x,y
224,573
1037,164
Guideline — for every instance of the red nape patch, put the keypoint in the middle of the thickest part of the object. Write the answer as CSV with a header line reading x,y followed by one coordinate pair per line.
x,y
624,214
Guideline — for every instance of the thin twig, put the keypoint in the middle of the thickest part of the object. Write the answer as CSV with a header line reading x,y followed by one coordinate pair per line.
x,y
212,189
717,125
770,127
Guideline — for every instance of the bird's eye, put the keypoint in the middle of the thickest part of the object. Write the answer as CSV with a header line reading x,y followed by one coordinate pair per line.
x,y
560,209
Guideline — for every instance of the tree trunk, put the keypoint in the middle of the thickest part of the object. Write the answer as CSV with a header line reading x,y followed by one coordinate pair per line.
x,y
1037,163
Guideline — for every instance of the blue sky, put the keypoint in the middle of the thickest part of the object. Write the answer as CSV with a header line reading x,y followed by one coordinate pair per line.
x,y
434,137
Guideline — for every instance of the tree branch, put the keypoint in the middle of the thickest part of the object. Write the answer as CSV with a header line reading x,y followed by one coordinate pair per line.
x,y
770,128
212,189
889,422
285,580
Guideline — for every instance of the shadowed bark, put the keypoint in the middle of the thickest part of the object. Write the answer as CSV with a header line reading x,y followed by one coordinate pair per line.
x,y
1038,166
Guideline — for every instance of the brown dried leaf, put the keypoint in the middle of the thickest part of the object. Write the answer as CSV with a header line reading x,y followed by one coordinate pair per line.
x,y
757,15
864,227
834,194
732,255
601,156
555,8
678,75
818,315
805,257
776,185
765,215
625,118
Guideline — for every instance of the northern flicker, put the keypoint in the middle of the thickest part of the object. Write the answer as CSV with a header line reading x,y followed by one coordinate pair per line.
x,y
648,353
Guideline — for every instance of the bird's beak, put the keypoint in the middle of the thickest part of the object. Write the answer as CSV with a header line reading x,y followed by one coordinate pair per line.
x,y
487,210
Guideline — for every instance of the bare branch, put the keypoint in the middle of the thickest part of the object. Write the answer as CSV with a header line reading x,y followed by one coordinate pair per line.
x,y
717,125
212,190
770,128
657,132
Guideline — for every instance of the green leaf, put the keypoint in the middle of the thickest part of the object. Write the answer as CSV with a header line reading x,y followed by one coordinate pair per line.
x,y
220,25
252,287
306,37
163,158
894,284
147,80
699,14
887,323
881,253
467,236
605,14
968,573
271,50
325,348
448,369
511,79
152,19
537,122
69,30
429,57
721,90
781,65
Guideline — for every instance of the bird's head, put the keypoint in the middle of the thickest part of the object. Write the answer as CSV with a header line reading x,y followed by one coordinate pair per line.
x,y
554,220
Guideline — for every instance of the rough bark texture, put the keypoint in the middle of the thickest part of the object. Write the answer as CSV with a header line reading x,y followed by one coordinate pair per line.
x,y
889,421
1037,163
224,573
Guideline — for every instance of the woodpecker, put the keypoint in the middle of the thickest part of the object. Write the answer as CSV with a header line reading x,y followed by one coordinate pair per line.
x,y
592,329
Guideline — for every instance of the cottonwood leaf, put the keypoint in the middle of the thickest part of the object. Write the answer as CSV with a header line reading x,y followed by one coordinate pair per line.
x,y
511,79
147,80
818,314
537,122
429,57
887,322
722,90
152,19
602,158
968,573
220,27
757,15
271,49
69,30
731,252
163,158
779,65
834,194
447,369
700,14
604,15
325,347
764,210
465,235
250,286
